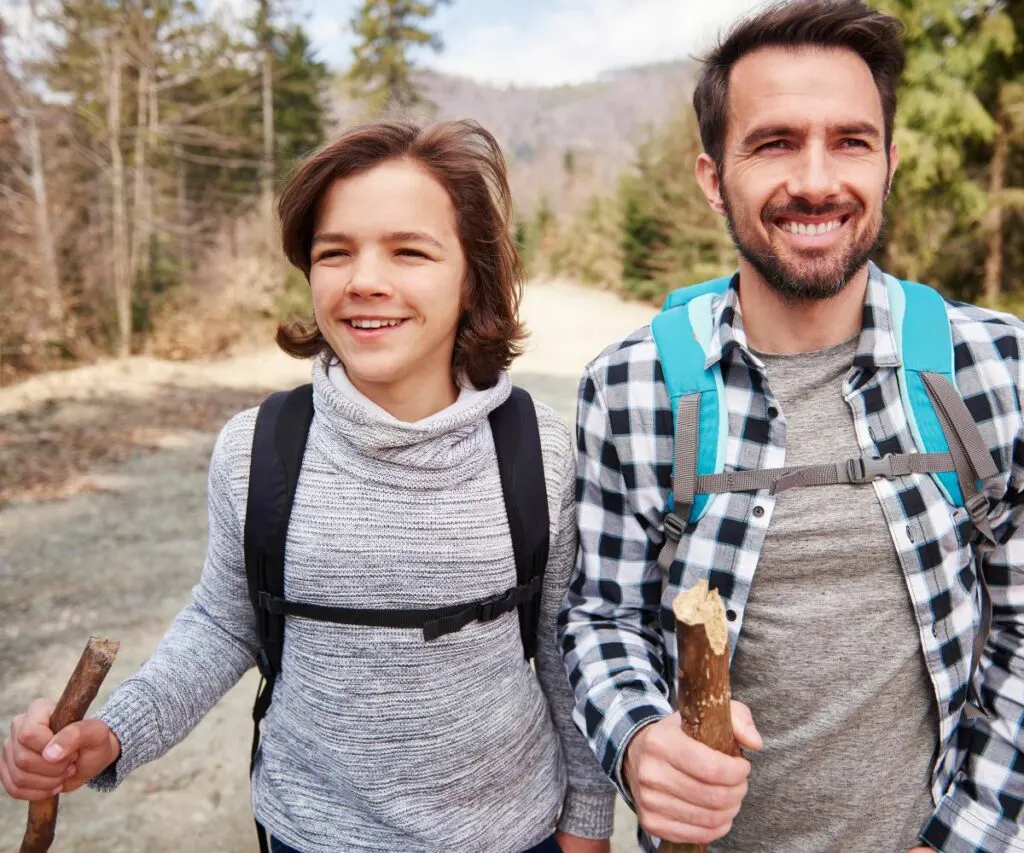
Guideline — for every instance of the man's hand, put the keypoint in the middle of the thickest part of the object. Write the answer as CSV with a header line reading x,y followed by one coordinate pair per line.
x,y
37,764
685,791
576,844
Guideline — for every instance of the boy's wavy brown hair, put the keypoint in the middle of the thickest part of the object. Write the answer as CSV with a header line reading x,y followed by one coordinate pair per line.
x,y
467,161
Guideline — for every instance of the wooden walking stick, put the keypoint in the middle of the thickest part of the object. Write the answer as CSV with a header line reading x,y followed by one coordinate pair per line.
x,y
703,694
81,689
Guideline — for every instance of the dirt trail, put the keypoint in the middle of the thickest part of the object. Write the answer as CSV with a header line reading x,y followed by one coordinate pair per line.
x,y
104,473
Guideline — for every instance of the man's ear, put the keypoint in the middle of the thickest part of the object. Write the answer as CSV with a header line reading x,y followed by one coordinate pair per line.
x,y
894,161
707,176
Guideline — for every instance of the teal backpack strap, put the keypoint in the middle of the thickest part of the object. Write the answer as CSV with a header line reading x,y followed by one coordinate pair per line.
x,y
682,334
924,340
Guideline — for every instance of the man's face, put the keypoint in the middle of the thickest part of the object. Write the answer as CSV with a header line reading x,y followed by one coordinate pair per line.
x,y
805,171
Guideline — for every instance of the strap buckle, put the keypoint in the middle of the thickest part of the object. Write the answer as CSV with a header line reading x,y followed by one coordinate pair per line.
x,y
674,526
864,470
492,608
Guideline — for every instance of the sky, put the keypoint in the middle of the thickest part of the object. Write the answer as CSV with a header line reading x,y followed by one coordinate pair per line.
x,y
543,42
508,42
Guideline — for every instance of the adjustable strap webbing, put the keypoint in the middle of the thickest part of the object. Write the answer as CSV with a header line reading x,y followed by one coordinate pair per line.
x,y
434,621
973,465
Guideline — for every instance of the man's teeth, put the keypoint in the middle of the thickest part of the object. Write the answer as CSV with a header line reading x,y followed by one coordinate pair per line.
x,y
374,324
810,228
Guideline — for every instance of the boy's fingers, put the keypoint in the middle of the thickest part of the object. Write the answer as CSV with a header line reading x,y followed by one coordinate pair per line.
x,y
19,793
32,734
40,711
79,737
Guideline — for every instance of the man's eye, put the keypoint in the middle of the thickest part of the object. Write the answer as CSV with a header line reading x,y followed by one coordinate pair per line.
x,y
774,145
854,143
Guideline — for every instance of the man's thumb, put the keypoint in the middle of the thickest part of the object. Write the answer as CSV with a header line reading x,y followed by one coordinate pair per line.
x,y
743,727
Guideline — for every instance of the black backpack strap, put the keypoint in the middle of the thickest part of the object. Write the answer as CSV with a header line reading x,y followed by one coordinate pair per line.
x,y
278,445
521,467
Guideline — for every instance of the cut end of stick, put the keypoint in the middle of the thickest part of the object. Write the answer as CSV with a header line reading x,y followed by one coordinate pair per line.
x,y
103,648
701,606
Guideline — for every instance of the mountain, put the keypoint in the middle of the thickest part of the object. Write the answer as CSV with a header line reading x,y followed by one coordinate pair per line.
x,y
563,142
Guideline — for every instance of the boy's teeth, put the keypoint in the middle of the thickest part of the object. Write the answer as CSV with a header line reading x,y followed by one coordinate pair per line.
x,y
374,324
811,229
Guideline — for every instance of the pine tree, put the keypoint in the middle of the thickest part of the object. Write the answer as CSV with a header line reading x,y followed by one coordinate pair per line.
x,y
382,73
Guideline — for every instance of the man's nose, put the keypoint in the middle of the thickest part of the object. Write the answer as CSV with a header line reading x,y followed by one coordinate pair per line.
x,y
814,176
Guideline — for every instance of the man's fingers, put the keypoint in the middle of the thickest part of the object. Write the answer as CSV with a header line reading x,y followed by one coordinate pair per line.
x,y
672,808
684,788
743,727
79,737
704,763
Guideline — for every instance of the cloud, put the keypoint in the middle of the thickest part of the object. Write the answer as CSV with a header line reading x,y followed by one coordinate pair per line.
x,y
575,40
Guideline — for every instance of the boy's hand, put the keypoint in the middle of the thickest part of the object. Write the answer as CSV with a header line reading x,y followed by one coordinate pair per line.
x,y
36,764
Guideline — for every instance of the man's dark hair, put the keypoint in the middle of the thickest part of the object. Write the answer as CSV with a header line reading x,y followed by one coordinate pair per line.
x,y
832,24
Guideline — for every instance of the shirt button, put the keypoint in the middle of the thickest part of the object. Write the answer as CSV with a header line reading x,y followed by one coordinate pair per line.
x,y
730,615
758,511
935,630
773,412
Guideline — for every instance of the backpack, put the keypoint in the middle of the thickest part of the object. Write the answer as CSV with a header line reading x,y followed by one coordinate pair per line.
x,y
951,448
278,446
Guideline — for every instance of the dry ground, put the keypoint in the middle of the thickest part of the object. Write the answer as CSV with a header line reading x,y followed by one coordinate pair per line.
x,y
103,529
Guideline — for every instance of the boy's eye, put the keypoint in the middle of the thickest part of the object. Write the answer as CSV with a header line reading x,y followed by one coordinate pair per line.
x,y
331,253
412,253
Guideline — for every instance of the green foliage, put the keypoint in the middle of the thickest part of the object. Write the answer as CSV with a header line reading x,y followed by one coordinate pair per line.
x,y
382,70
959,53
589,248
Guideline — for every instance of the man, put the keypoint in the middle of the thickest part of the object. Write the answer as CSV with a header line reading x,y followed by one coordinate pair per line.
x,y
852,608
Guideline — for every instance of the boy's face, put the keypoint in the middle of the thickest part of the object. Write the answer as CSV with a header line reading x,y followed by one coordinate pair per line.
x,y
387,277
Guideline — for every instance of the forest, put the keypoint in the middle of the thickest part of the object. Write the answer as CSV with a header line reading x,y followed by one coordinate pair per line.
x,y
142,143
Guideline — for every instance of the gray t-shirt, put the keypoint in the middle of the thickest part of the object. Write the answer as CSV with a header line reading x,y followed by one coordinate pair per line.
x,y
829,658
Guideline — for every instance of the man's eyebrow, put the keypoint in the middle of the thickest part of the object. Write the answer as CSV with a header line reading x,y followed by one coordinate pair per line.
x,y
858,128
772,132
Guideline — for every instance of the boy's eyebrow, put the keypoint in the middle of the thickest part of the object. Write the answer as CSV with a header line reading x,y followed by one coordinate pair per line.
x,y
393,237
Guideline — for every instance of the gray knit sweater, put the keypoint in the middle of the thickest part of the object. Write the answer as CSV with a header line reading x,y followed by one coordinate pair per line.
x,y
377,740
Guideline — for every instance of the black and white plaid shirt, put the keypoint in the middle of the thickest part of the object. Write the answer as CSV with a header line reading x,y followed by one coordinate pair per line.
x,y
616,624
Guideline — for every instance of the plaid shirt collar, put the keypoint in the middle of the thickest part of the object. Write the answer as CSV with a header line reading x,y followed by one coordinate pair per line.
x,y
876,348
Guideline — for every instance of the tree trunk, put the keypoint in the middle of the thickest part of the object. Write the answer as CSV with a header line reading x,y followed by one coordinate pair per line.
x,y
704,695
44,230
121,260
140,225
267,160
994,219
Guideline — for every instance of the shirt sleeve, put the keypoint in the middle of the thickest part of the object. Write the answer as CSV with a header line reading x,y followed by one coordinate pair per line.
x,y
589,806
609,625
983,809
212,641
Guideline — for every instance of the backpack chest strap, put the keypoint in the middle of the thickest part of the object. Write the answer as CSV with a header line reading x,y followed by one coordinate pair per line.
x,y
434,621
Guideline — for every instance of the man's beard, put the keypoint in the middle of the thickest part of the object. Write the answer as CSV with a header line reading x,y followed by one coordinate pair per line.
x,y
815,277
